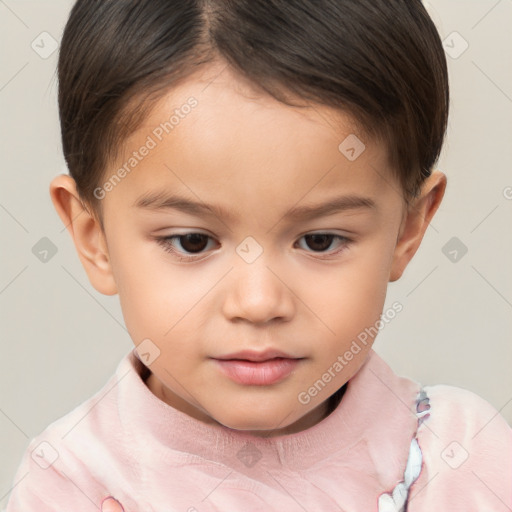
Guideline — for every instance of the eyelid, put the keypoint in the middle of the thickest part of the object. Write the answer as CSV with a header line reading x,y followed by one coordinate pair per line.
x,y
165,242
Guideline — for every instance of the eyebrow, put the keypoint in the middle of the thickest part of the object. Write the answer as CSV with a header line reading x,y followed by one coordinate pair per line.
x,y
160,201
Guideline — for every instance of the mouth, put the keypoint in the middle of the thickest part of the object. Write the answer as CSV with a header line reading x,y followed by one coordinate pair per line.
x,y
257,356
257,373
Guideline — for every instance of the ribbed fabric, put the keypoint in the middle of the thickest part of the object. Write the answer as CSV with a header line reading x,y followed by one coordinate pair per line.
x,y
127,443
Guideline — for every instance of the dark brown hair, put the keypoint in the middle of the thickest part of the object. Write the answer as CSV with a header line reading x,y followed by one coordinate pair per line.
x,y
380,61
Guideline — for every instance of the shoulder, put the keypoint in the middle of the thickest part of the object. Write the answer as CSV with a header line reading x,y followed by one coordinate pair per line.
x,y
456,408
467,454
55,472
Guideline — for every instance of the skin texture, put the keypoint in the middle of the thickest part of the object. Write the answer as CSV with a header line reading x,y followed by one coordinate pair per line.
x,y
256,158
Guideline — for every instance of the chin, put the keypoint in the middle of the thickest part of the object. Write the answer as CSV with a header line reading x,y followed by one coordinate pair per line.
x,y
265,422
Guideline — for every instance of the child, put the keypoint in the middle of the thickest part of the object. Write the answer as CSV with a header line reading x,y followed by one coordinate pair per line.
x,y
262,129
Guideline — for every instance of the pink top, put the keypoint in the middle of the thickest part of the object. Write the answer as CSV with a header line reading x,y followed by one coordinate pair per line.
x,y
127,443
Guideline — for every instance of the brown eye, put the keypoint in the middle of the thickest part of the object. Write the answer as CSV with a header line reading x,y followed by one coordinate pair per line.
x,y
193,242
321,242
188,244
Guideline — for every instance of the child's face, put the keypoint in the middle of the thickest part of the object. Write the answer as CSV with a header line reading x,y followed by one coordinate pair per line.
x,y
253,281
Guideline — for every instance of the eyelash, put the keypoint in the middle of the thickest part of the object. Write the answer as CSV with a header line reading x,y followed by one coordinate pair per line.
x,y
166,243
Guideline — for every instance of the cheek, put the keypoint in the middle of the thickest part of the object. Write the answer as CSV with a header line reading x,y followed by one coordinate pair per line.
x,y
147,293
161,300
353,294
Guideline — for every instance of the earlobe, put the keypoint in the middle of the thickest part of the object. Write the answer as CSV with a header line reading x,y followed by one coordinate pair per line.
x,y
415,222
86,232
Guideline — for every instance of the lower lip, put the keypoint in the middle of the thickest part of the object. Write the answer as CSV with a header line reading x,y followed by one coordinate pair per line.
x,y
252,373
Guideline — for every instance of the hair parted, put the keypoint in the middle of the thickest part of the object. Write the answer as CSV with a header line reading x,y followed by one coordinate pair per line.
x,y
380,61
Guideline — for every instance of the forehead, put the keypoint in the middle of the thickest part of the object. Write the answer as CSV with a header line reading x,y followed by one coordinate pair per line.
x,y
214,136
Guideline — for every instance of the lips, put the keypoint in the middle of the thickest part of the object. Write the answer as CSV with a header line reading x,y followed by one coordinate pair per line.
x,y
263,373
253,368
255,356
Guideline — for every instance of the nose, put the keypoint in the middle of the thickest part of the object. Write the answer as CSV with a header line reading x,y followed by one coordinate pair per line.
x,y
258,293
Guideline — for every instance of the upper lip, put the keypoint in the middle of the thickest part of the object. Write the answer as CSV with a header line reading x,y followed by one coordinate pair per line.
x,y
253,355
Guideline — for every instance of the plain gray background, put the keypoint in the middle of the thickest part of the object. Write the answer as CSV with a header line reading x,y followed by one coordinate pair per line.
x,y
61,340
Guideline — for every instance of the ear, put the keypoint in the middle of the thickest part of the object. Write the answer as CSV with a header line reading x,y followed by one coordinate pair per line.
x,y
86,231
415,221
